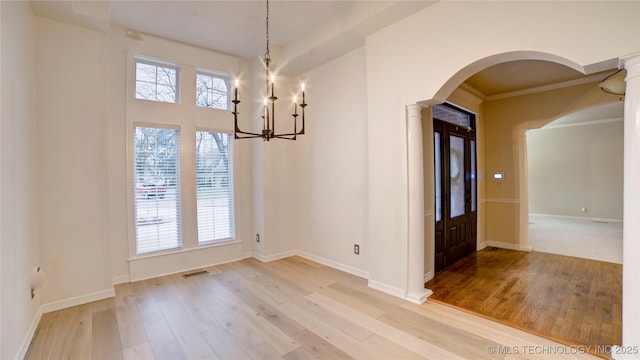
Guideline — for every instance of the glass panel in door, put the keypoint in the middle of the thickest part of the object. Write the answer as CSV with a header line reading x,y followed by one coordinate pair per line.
x,y
438,175
456,173
473,175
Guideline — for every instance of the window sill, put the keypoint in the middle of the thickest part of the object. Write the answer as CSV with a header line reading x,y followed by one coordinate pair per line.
x,y
182,251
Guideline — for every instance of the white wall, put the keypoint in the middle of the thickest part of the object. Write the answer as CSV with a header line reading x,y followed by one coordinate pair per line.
x,y
72,65
19,177
332,160
576,166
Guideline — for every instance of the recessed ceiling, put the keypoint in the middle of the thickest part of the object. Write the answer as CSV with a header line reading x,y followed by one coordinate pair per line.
x,y
232,27
309,33
611,111
521,75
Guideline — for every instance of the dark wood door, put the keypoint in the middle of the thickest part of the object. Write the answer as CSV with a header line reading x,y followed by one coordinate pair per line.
x,y
456,205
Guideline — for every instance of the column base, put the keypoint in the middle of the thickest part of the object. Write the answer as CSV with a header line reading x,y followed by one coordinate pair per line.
x,y
419,298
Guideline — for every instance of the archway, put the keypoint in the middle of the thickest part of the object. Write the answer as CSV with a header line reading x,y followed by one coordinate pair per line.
x,y
517,143
508,199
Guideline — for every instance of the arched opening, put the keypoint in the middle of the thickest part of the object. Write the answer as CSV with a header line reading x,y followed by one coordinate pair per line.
x,y
503,119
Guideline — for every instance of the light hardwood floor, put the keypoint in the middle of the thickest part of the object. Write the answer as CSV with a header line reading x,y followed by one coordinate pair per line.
x,y
286,309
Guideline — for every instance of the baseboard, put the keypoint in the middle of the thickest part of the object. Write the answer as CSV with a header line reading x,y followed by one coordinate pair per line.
x,y
387,288
274,257
246,255
78,300
481,245
31,332
419,298
615,221
428,276
123,279
510,246
333,264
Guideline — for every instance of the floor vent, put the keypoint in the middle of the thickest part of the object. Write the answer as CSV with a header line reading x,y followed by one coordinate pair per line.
x,y
199,272
494,249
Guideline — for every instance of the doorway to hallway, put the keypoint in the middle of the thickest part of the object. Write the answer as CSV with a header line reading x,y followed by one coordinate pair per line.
x,y
455,184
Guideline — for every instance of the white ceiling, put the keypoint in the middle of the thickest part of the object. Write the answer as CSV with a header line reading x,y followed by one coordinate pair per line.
x,y
308,33
233,27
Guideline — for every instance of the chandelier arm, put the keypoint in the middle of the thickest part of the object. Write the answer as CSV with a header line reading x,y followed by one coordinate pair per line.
x,y
249,135
285,136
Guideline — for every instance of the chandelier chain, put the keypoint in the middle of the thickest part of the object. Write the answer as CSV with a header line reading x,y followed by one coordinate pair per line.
x,y
267,55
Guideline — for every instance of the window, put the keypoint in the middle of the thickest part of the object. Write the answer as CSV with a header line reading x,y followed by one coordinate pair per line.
x,y
212,90
454,115
157,190
214,177
156,81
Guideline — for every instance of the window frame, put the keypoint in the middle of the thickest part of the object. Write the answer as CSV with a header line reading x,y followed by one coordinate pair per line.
x,y
157,63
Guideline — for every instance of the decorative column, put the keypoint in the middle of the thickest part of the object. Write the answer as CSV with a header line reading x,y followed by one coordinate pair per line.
x,y
416,292
523,190
631,229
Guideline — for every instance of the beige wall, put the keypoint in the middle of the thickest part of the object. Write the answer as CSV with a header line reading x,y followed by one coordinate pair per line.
x,y
505,119
574,167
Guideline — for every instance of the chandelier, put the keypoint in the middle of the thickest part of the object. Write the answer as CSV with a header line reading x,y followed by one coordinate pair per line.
x,y
269,112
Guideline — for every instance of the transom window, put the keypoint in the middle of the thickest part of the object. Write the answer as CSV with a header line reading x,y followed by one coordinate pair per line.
x,y
156,81
212,90
454,115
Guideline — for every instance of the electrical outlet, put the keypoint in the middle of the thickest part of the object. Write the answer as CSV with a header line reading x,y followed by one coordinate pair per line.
x,y
356,249
257,238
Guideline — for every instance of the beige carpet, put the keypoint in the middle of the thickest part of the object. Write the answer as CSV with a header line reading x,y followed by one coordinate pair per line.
x,y
576,237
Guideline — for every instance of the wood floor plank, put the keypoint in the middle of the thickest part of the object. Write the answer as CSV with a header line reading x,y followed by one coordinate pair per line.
x,y
138,352
225,347
184,331
130,324
255,299
267,331
313,346
105,340
170,351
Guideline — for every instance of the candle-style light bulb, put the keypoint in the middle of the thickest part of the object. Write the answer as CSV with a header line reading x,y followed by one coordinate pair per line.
x,y
295,104
236,89
302,86
273,80
266,114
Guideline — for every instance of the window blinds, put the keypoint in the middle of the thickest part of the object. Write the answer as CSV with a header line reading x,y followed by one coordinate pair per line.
x,y
214,188
157,189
